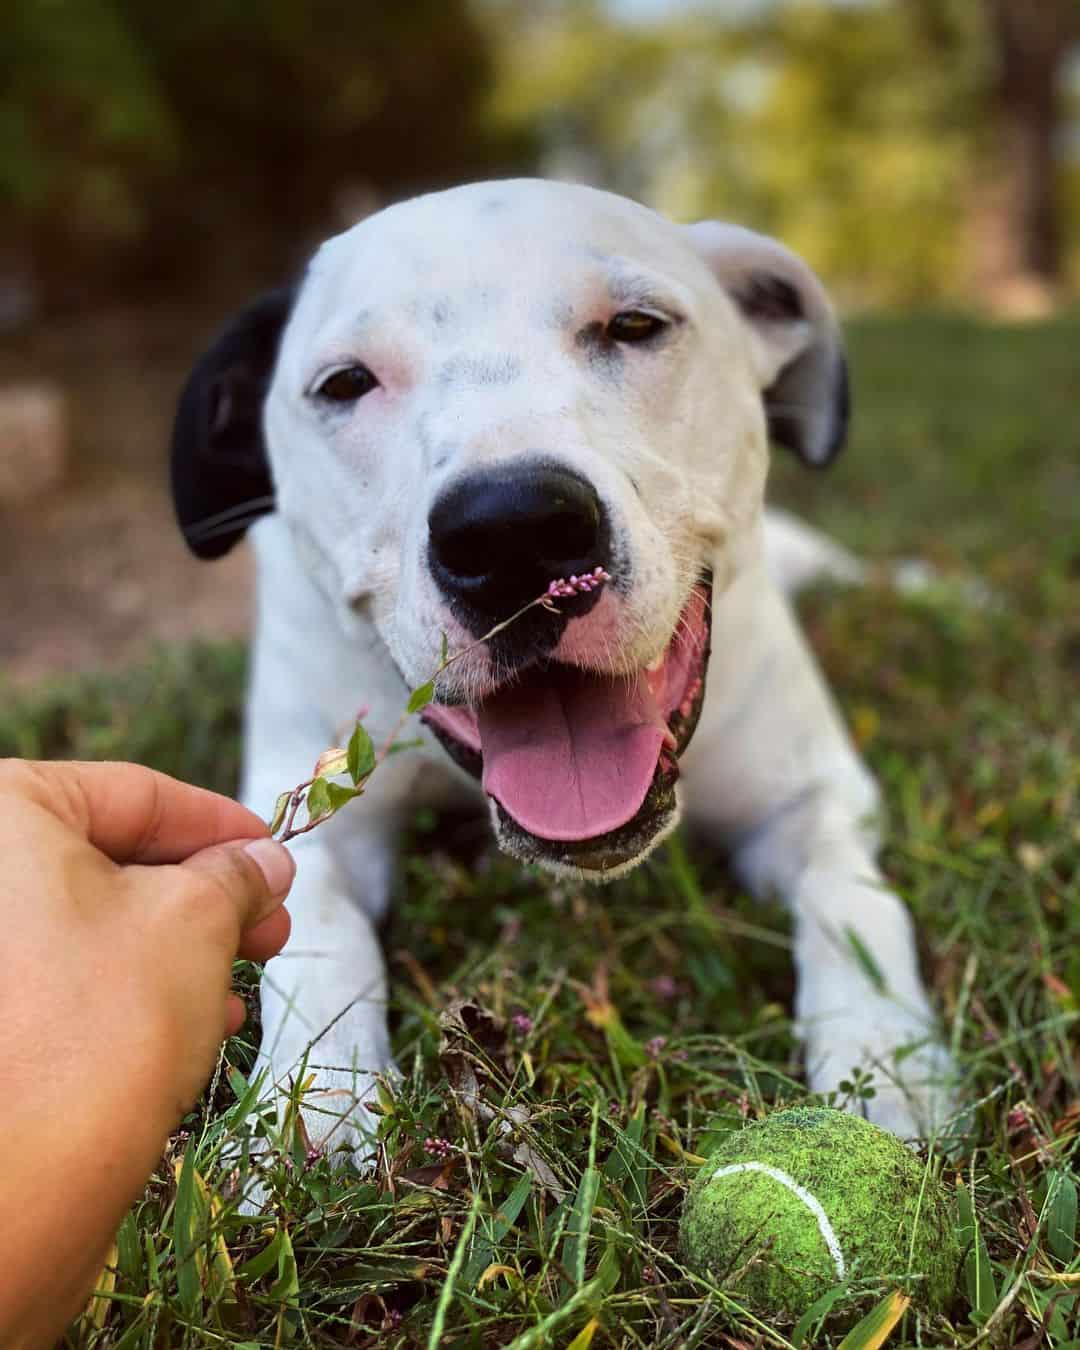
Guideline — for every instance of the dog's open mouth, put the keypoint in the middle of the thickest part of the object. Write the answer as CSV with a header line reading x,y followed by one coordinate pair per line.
x,y
581,766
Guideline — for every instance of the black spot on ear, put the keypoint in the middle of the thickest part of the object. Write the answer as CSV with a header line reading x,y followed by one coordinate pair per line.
x,y
817,438
766,296
220,475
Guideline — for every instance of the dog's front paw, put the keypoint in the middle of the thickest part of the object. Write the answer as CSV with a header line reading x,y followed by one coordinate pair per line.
x,y
325,1115
884,1062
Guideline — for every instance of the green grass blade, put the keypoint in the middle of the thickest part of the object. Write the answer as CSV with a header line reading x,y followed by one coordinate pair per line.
x,y
129,1254
815,1314
629,1163
875,1328
497,1227
186,1237
1061,1217
287,1285
979,1277
446,1296
260,1264
602,1283
575,1245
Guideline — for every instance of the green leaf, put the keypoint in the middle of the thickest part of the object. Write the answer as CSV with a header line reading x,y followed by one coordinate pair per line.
x,y
340,795
262,1263
629,1163
331,762
287,1285
815,1314
280,808
497,1226
444,649
318,799
361,754
979,1277
246,1093
1061,1216
420,698
186,1238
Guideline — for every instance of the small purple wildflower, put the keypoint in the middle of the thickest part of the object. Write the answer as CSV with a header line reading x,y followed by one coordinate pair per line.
x,y
664,986
522,1023
312,1157
655,1047
561,587
438,1148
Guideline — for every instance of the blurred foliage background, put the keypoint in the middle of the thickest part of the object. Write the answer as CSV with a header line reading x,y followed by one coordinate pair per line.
x,y
159,164
916,151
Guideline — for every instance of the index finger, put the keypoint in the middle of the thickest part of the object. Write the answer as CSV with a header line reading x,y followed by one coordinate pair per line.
x,y
134,814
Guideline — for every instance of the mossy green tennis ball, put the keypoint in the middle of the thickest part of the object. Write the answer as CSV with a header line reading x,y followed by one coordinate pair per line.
x,y
810,1198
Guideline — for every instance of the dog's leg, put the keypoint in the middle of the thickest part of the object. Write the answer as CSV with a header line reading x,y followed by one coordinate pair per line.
x,y
773,775
324,998
798,556
860,1002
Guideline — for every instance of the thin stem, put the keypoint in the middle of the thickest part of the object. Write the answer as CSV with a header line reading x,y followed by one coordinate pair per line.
x,y
558,589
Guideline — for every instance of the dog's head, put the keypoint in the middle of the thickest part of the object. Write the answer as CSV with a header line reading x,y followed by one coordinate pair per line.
x,y
478,391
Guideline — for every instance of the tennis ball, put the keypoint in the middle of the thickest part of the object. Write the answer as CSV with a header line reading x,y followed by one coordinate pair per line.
x,y
809,1198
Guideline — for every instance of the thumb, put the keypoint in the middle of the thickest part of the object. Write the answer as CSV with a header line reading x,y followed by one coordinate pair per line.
x,y
248,879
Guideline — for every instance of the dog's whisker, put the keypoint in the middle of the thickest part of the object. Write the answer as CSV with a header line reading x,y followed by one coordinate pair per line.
x,y
228,526
234,518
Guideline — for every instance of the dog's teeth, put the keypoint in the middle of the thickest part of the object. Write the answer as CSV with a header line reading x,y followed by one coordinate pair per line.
x,y
654,666
669,740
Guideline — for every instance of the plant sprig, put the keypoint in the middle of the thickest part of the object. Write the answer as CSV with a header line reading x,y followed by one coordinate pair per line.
x,y
323,798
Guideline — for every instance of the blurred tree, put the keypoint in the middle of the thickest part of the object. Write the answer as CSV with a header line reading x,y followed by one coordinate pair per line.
x,y
224,135
869,136
1020,218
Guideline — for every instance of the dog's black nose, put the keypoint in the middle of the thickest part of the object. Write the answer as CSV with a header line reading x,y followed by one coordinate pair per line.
x,y
499,536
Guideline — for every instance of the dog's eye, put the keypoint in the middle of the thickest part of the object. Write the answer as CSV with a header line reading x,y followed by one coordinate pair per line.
x,y
347,385
634,325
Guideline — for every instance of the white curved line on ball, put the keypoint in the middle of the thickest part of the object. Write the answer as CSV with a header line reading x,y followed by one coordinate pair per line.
x,y
812,1203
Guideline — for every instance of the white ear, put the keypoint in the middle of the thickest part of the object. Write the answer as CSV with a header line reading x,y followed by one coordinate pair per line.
x,y
795,339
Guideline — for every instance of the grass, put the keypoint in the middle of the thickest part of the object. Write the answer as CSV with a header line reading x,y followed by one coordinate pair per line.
x,y
652,1017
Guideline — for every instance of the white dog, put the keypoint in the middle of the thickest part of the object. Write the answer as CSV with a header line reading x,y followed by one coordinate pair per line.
x,y
466,396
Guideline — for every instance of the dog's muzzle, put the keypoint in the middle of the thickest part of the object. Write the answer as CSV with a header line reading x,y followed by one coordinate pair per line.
x,y
581,767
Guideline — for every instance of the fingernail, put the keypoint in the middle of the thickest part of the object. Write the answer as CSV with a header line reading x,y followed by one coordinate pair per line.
x,y
274,861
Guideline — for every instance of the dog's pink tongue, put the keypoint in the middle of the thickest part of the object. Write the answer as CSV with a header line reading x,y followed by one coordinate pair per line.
x,y
571,755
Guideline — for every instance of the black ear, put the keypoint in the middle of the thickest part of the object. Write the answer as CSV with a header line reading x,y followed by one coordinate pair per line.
x,y
220,474
798,351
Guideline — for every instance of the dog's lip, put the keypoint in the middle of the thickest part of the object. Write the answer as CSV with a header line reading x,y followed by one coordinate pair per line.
x,y
624,762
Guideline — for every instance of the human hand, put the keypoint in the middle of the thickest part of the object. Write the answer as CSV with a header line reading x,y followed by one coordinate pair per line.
x,y
124,898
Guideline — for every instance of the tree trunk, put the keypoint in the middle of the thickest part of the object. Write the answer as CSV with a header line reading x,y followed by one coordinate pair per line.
x,y
1017,243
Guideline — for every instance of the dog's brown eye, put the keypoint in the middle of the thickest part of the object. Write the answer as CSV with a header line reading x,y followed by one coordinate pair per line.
x,y
346,386
634,325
